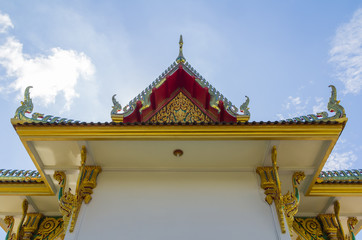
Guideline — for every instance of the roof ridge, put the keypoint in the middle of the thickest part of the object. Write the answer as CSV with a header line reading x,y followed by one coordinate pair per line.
x,y
15,175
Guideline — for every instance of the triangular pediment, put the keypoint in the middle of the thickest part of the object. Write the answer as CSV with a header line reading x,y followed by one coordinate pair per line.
x,y
180,76
180,109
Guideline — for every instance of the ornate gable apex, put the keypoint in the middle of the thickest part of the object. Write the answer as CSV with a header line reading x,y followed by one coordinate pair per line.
x,y
179,76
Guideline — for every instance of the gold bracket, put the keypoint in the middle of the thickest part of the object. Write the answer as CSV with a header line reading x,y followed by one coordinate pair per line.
x,y
330,225
267,183
69,203
286,205
9,220
31,224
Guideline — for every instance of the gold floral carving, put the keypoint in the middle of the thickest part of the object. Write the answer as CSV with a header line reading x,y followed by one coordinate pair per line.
x,y
308,228
69,203
286,205
50,228
180,109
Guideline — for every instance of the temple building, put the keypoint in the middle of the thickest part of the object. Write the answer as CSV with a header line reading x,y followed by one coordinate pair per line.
x,y
180,161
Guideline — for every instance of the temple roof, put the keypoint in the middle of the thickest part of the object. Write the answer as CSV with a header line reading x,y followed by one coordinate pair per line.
x,y
20,176
334,176
340,176
253,123
180,76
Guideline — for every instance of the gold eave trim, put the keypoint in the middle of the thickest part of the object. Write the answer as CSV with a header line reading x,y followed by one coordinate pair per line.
x,y
249,132
33,189
336,189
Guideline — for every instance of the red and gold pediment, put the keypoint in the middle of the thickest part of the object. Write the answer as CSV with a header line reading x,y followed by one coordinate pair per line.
x,y
180,94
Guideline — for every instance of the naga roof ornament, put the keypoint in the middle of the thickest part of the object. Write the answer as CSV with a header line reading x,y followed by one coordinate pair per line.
x,y
333,107
180,76
27,108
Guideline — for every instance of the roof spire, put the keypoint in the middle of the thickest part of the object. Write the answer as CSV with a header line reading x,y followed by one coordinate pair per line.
x,y
180,58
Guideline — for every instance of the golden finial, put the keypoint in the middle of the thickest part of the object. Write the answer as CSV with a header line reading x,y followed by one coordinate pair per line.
x,y
180,58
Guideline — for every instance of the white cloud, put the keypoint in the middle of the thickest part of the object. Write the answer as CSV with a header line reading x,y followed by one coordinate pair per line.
x,y
295,101
298,106
5,23
320,105
346,53
340,161
292,102
294,107
51,75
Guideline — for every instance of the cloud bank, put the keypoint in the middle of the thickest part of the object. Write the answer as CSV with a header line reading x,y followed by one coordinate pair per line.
x,y
346,53
340,161
5,23
51,75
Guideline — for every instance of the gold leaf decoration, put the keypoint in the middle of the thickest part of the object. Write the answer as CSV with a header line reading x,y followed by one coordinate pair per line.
x,y
308,228
50,228
180,109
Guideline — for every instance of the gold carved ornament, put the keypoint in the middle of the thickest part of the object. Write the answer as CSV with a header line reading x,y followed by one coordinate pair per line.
x,y
69,203
31,224
308,228
180,109
333,226
351,223
50,228
34,226
286,205
330,226
9,220
325,226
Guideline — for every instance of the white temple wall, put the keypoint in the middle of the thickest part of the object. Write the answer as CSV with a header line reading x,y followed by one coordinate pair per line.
x,y
176,205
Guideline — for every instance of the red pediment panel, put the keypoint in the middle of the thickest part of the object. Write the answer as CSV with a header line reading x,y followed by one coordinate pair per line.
x,y
184,88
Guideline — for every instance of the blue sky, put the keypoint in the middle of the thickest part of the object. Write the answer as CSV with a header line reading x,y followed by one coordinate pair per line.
x,y
283,55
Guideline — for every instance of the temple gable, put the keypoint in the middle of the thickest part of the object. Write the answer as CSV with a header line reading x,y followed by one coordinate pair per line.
x,y
180,109
211,105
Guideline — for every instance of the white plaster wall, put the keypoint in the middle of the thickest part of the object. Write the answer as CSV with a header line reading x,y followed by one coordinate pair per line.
x,y
177,206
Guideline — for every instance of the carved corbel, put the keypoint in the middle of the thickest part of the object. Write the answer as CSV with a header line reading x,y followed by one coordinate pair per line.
x,y
9,220
267,183
31,225
340,231
286,205
69,203
330,225
333,227
271,184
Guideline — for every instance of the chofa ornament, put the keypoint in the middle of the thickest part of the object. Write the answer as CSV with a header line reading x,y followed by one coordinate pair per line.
x,y
333,106
27,108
